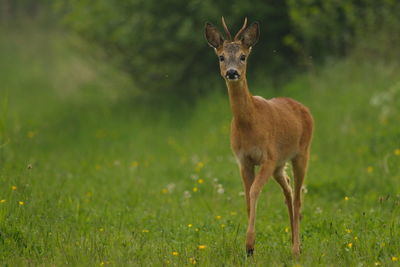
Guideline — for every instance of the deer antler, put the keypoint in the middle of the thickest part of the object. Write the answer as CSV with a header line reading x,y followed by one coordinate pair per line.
x,y
228,34
241,30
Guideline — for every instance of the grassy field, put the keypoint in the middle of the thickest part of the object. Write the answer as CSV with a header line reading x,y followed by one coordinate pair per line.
x,y
89,176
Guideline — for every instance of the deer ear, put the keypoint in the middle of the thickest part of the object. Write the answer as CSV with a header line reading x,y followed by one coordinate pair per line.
x,y
251,34
214,38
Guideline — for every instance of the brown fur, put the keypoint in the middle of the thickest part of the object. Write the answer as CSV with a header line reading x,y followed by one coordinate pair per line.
x,y
265,133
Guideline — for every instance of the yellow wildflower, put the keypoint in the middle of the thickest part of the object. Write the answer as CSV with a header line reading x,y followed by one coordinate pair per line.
x,y
218,217
175,253
370,169
350,245
201,246
395,258
377,263
13,187
195,189
348,231
355,238
134,164
199,166
102,263
31,134
190,225
397,152
287,229
145,231
200,181
192,260
100,133
3,201
164,190
21,203
346,198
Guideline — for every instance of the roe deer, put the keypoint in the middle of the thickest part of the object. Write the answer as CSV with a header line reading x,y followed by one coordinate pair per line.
x,y
267,133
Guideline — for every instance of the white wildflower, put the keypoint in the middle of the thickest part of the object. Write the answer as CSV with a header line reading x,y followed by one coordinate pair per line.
x,y
304,189
171,187
195,158
187,194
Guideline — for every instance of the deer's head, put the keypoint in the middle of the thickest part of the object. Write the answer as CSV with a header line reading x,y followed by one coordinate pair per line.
x,y
232,53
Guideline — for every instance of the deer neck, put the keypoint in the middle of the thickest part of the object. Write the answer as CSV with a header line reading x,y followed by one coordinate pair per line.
x,y
241,101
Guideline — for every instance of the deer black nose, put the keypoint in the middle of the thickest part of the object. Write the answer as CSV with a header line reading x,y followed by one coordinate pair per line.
x,y
232,74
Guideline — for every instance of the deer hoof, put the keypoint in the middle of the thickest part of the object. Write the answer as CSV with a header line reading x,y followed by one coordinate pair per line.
x,y
296,252
250,252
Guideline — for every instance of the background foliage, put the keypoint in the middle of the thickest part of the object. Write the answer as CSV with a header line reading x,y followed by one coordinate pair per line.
x,y
333,27
161,44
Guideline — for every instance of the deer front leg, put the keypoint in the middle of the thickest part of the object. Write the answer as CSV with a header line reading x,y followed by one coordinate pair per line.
x,y
247,173
262,177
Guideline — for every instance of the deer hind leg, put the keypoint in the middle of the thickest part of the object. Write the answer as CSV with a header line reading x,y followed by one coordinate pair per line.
x,y
262,177
299,171
283,180
247,173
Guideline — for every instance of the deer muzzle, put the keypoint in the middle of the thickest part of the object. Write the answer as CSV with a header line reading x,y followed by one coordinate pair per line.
x,y
232,74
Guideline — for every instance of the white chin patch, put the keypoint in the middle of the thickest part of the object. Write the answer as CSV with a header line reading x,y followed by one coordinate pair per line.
x,y
233,79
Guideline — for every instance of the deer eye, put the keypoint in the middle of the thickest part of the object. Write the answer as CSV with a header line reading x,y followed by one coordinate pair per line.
x,y
242,57
221,58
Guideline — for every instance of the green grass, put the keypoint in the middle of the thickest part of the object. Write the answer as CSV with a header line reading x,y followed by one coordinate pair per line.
x,y
103,177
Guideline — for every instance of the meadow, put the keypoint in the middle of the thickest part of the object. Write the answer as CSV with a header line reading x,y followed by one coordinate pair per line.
x,y
90,176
